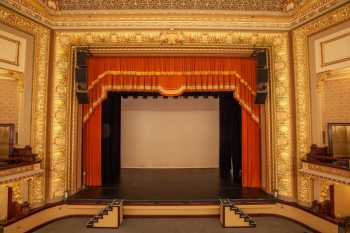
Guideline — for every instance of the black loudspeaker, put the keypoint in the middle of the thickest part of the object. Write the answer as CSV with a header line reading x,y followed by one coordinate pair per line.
x,y
262,75
81,76
82,55
82,96
261,58
260,97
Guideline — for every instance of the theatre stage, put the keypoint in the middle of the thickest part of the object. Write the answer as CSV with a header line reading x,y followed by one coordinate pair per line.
x,y
163,186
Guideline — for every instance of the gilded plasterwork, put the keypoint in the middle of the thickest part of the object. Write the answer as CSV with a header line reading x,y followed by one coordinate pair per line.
x,y
221,14
40,81
302,91
250,5
62,89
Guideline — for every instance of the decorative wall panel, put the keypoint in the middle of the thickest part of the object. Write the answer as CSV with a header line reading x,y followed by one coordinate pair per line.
x,y
40,84
13,51
302,89
333,51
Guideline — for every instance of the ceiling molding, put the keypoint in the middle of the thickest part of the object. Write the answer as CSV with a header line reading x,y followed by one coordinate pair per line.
x,y
238,5
172,18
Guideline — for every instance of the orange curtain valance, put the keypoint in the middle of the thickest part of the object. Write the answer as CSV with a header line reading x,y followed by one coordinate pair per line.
x,y
172,76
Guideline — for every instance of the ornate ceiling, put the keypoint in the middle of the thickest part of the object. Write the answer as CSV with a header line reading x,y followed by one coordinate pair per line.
x,y
241,5
172,14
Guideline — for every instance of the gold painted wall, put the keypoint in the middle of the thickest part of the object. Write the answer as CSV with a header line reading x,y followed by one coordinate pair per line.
x,y
39,82
319,80
301,37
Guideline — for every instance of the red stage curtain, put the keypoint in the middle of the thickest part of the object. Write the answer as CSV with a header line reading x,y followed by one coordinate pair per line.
x,y
251,158
172,76
92,148
92,136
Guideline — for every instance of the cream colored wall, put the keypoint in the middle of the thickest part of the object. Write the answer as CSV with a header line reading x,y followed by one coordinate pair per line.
x,y
170,133
336,101
8,101
13,111
329,100
329,88
13,51
333,51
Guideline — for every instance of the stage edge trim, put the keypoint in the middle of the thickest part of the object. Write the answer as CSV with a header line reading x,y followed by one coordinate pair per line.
x,y
65,210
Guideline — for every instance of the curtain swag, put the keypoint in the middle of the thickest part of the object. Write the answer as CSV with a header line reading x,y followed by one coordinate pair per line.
x,y
171,84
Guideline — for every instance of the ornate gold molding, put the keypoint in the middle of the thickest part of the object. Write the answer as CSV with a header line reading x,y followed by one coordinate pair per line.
x,y
167,18
40,84
20,179
337,175
63,105
302,91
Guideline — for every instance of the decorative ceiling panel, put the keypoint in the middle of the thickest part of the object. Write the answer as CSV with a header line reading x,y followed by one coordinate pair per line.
x,y
240,5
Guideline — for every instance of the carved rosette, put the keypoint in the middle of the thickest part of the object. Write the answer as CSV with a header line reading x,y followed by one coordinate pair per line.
x,y
40,82
302,91
62,84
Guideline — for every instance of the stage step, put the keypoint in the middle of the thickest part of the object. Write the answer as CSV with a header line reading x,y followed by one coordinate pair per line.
x,y
232,216
109,217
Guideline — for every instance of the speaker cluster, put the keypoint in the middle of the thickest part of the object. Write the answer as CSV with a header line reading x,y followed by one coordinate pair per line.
x,y
80,71
262,75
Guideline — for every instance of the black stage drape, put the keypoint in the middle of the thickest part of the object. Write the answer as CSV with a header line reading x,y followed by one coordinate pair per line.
x,y
111,118
230,136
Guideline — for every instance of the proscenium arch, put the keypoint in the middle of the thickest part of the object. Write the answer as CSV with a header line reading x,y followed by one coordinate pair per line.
x,y
279,159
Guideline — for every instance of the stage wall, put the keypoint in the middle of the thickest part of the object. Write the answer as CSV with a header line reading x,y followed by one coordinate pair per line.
x,y
170,133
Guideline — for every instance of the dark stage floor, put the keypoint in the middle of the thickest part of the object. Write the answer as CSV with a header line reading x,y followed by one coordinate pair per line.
x,y
172,185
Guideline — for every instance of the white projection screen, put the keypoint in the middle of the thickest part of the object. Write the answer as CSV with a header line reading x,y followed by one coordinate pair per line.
x,y
170,133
